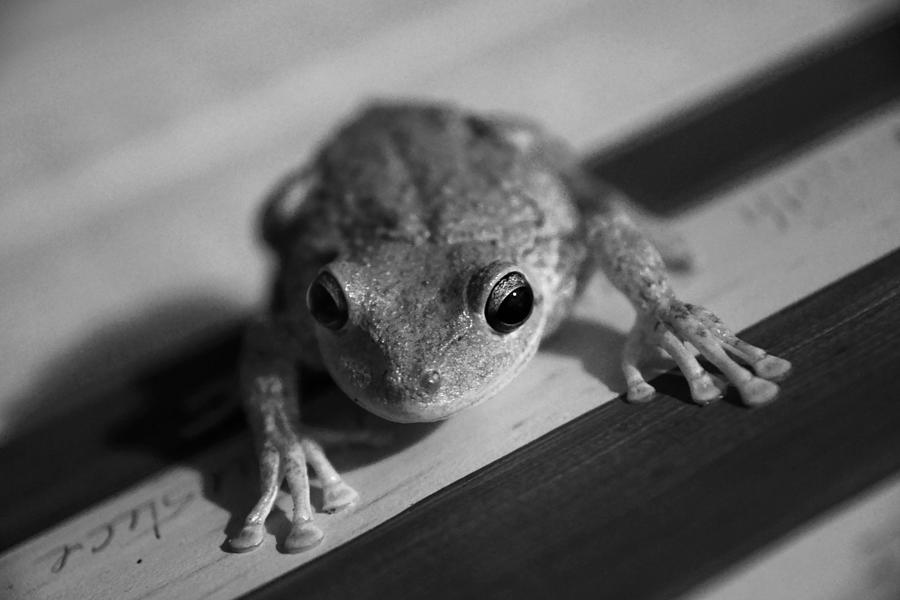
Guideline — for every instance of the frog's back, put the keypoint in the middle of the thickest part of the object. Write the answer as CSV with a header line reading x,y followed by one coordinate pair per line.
x,y
430,173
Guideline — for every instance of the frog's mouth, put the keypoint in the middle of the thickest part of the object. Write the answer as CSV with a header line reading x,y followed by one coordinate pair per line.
x,y
404,404
397,414
426,395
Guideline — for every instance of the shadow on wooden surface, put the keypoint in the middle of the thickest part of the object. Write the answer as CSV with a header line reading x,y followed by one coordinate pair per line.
x,y
580,338
116,353
169,413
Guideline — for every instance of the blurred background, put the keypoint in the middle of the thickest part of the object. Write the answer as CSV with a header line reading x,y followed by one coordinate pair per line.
x,y
138,138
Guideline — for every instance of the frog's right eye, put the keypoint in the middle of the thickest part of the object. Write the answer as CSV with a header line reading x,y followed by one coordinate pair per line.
x,y
503,296
326,301
509,304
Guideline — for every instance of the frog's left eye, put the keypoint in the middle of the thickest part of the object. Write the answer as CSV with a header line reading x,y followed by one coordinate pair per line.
x,y
326,301
509,304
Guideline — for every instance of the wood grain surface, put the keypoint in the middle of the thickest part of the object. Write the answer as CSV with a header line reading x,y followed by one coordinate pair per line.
x,y
621,501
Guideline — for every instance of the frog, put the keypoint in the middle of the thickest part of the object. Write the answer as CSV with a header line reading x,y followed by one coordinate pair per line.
x,y
423,254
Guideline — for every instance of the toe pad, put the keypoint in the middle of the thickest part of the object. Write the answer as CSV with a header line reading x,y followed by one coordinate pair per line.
x,y
250,537
641,392
757,391
772,368
303,537
339,496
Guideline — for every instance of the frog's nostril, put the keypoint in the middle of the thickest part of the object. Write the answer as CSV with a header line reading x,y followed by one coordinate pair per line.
x,y
430,381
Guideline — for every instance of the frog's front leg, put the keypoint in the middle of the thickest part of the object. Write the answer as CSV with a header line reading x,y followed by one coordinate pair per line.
x,y
666,323
270,395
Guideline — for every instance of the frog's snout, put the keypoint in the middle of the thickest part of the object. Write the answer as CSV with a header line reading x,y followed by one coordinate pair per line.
x,y
406,398
424,386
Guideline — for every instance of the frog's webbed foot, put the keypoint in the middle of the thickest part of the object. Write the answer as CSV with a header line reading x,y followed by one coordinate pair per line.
x,y
285,460
278,462
676,324
666,324
284,447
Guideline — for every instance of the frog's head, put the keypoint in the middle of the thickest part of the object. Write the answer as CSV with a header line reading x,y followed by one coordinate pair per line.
x,y
418,332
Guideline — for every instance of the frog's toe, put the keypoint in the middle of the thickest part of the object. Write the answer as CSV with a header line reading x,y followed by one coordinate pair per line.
x,y
250,538
641,392
772,368
705,388
303,536
757,391
339,496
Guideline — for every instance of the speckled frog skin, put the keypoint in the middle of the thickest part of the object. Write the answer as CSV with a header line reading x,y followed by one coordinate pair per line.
x,y
424,254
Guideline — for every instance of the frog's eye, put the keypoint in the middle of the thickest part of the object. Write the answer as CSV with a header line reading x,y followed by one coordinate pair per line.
x,y
509,304
326,301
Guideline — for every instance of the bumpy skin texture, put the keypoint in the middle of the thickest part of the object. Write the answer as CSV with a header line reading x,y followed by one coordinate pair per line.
x,y
417,211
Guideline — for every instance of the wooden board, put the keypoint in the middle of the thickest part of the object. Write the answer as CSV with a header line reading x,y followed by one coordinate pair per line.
x,y
148,541
144,541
